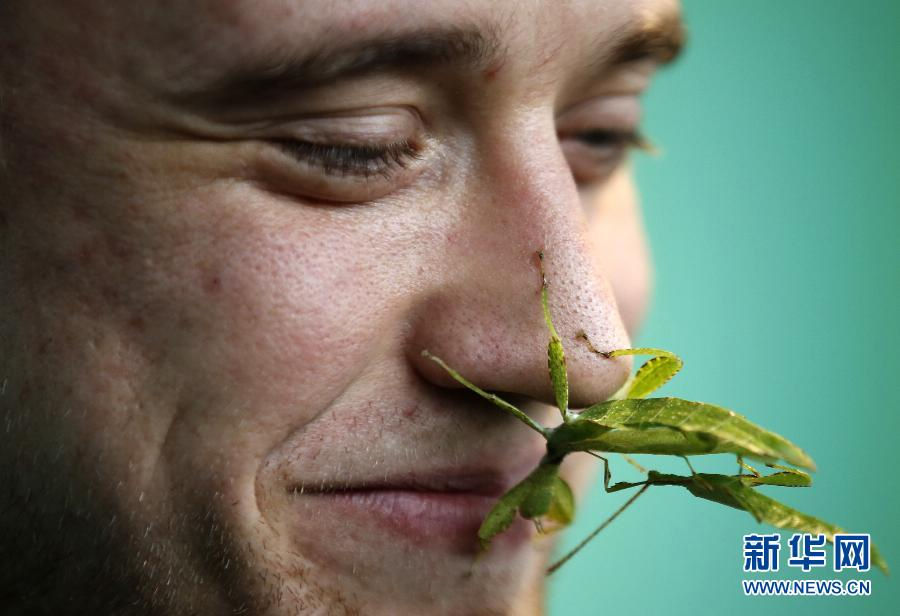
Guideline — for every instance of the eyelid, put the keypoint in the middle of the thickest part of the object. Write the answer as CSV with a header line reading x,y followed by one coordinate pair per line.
x,y
614,112
346,157
594,163
358,147
358,127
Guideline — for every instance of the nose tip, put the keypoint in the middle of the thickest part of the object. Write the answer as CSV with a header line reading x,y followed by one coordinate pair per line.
x,y
501,344
589,374
608,374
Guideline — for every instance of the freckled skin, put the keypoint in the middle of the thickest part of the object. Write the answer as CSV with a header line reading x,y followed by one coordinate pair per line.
x,y
179,340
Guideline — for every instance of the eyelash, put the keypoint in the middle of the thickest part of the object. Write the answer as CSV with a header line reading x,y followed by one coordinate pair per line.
x,y
357,160
368,160
614,138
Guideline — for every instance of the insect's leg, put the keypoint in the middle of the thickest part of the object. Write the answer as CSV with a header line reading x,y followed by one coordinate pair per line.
x,y
747,466
694,474
597,531
497,400
633,462
607,476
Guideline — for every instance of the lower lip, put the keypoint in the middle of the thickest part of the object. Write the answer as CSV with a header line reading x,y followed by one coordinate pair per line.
x,y
448,519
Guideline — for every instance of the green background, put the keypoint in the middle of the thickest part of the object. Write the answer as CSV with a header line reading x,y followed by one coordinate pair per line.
x,y
773,215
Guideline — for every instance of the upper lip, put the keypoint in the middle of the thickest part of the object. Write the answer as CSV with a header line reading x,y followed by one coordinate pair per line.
x,y
485,462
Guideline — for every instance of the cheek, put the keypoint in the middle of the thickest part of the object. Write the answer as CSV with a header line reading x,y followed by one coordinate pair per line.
x,y
617,232
289,305
289,312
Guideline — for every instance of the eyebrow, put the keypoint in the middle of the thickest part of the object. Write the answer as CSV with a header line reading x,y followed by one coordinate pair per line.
x,y
475,48
660,38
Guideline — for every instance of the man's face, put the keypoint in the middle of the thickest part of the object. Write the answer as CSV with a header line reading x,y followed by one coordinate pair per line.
x,y
230,227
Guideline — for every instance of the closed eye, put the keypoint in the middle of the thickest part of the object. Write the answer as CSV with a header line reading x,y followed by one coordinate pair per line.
x,y
594,155
360,160
613,139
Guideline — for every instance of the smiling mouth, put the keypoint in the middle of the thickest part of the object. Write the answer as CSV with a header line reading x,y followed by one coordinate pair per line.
x,y
443,511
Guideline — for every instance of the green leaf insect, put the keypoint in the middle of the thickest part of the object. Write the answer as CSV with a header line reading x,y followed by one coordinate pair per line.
x,y
672,426
631,423
543,496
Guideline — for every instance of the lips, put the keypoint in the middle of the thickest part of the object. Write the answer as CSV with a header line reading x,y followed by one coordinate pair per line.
x,y
434,509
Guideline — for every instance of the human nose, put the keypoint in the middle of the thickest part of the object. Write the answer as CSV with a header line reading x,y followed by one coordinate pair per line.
x,y
484,316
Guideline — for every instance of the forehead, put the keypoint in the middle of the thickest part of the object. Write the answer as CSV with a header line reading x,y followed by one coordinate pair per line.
x,y
352,17
185,43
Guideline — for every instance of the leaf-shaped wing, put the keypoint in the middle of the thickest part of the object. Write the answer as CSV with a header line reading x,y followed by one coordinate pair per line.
x,y
787,477
672,426
733,491
562,506
556,361
542,483
655,372
503,513
542,495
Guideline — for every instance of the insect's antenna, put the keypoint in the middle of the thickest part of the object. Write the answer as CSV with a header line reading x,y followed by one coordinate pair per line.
x,y
544,300
582,335
540,256
597,531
